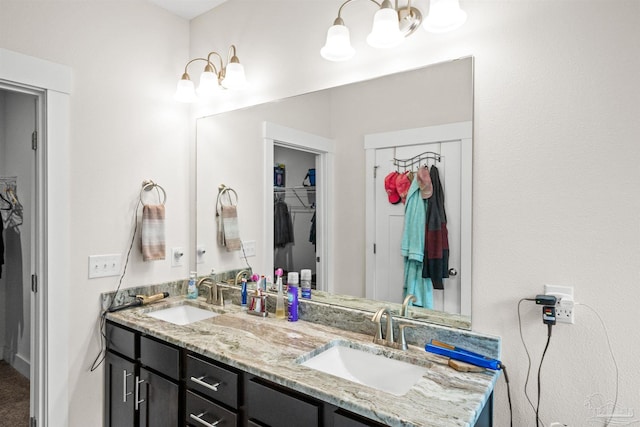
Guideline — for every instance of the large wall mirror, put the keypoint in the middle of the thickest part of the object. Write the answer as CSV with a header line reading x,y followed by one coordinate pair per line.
x,y
325,155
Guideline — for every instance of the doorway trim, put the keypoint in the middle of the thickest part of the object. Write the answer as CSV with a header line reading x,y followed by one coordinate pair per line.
x,y
462,131
278,135
51,332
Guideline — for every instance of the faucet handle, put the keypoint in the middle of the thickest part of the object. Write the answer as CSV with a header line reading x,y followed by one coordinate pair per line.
x,y
402,341
376,320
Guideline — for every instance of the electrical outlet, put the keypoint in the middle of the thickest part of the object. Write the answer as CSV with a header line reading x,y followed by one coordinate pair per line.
x,y
564,302
249,247
104,265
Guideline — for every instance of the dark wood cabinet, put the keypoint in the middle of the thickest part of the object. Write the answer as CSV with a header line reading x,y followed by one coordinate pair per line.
x,y
137,390
159,401
151,383
119,384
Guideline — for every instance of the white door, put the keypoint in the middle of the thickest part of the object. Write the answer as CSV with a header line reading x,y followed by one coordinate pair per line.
x,y
385,222
389,223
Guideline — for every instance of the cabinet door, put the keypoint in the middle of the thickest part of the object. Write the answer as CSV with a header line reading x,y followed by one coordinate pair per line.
x,y
119,391
158,401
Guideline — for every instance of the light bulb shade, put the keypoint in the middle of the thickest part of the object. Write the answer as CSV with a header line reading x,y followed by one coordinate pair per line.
x,y
444,15
338,45
185,92
234,76
208,84
385,32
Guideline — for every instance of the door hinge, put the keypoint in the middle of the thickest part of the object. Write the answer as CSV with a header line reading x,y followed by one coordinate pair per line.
x,y
32,422
375,171
34,140
374,248
34,283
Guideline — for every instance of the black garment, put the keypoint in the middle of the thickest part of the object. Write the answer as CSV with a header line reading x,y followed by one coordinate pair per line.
x,y
435,265
282,225
1,245
312,232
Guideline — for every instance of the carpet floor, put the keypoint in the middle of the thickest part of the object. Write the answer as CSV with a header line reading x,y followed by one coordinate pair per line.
x,y
14,397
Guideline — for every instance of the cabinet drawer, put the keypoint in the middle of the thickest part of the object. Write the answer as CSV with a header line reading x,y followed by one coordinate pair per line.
x,y
212,380
207,413
120,340
275,408
160,357
346,419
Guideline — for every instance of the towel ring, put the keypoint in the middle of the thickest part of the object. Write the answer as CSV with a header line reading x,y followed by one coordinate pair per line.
x,y
222,189
148,185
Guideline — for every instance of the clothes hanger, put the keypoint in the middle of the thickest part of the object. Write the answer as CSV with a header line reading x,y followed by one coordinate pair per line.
x,y
7,202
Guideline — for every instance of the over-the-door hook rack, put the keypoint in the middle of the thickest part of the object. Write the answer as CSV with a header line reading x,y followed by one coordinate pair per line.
x,y
410,162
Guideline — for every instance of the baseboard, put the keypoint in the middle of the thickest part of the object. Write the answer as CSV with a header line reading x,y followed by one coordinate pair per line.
x,y
21,365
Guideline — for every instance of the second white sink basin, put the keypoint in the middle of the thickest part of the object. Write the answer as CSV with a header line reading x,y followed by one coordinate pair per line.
x,y
366,368
182,314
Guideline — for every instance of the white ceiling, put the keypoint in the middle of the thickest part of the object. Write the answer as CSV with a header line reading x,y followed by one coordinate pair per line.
x,y
187,9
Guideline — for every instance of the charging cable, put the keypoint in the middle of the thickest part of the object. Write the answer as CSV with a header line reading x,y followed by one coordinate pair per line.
x,y
103,316
549,318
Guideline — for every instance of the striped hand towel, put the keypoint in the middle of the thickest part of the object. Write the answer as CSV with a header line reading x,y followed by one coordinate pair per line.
x,y
153,245
231,230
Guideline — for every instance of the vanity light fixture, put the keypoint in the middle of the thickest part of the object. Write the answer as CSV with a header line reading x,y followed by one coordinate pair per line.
x,y
391,25
212,79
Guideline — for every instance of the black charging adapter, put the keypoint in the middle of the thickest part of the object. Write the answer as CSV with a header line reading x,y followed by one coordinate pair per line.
x,y
546,300
549,315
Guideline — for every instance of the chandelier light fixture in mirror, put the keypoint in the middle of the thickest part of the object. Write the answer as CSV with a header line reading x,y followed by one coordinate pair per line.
x,y
391,25
212,79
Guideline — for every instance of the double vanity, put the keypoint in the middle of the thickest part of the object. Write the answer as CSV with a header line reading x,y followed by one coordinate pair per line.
x,y
185,362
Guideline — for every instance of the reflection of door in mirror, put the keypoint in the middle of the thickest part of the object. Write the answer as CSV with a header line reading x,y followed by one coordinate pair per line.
x,y
387,265
294,210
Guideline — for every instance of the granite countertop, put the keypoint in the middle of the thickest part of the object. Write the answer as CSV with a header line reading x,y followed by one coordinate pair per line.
x,y
272,349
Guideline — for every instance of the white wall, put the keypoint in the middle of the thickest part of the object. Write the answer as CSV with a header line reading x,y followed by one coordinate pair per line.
x,y
126,58
555,175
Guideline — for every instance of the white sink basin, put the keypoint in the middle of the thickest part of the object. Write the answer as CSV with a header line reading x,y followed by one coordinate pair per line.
x,y
182,314
366,368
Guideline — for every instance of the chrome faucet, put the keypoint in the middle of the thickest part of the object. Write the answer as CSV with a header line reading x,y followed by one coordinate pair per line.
x,y
377,318
405,305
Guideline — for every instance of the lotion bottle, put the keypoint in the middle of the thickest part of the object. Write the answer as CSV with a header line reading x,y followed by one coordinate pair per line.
x,y
192,290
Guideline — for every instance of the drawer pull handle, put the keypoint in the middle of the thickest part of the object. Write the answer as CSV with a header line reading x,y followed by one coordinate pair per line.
x,y
199,381
124,386
138,401
199,419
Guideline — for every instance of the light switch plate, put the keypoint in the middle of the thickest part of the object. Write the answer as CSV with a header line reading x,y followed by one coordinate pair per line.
x,y
249,247
104,265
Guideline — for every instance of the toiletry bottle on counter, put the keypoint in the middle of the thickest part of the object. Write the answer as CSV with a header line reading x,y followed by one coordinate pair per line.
x,y
243,300
305,283
280,314
192,290
292,296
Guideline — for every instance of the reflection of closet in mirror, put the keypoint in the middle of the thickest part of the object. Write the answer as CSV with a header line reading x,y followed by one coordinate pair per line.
x,y
294,210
